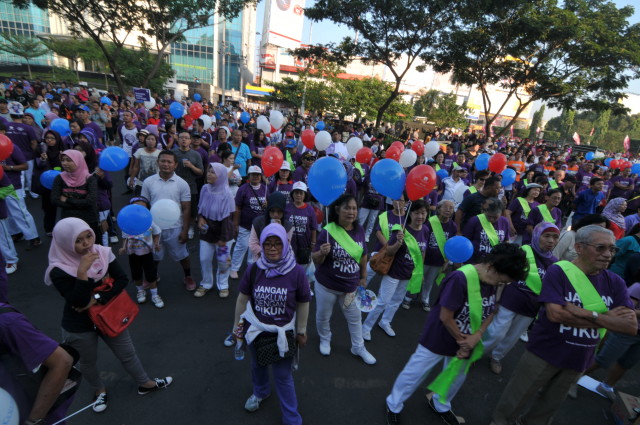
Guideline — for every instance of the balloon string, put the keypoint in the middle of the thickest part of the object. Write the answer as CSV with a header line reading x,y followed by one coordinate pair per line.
x,y
406,215
326,208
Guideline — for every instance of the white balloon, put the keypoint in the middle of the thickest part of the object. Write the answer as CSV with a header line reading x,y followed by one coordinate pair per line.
x,y
354,145
408,158
431,148
323,140
458,195
150,104
166,213
263,124
276,119
8,409
206,120
177,96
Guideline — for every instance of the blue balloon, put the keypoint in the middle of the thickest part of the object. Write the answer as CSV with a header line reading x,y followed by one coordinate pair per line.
x,y
176,110
245,117
320,125
134,219
61,126
47,178
458,249
105,100
327,179
589,156
508,177
635,168
608,161
388,178
197,97
114,158
218,116
442,173
482,162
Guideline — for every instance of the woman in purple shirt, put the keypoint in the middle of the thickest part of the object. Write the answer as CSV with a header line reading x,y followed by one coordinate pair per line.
x,y
340,257
394,283
475,232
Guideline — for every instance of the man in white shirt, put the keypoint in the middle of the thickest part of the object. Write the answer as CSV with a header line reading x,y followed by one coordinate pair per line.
x,y
452,184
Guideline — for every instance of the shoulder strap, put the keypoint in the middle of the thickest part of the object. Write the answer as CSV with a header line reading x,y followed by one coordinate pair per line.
x,y
345,241
489,230
525,206
383,219
474,297
415,281
533,280
438,232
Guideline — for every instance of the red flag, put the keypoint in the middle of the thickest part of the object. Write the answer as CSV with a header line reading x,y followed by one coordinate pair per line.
x,y
593,130
511,131
627,145
576,138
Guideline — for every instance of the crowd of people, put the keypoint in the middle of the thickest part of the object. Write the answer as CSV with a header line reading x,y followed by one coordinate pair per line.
x,y
554,262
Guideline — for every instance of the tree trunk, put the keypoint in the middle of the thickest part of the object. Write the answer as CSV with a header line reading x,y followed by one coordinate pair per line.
x,y
388,102
29,68
156,66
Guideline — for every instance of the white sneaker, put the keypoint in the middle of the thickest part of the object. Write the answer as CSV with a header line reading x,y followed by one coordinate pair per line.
x,y
157,301
366,335
325,348
364,355
387,328
11,268
524,337
34,195
141,296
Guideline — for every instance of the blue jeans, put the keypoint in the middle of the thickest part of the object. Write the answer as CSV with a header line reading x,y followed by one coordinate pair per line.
x,y
284,386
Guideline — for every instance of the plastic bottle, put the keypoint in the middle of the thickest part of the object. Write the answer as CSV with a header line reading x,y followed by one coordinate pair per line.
x,y
239,333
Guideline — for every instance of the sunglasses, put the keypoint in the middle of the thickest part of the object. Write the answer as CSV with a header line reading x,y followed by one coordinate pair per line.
x,y
600,249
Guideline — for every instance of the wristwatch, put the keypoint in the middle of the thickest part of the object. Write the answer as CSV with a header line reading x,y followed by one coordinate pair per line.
x,y
97,297
594,315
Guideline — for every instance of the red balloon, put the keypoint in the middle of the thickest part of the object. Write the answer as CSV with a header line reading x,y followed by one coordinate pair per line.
x,y
625,164
6,148
195,110
308,139
398,145
188,120
393,153
418,147
271,160
498,163
420,181
364,155
318,211
614,164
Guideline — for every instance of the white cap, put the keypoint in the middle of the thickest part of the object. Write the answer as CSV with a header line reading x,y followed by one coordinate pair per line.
x,y
299,186
83,83
285,166
254,169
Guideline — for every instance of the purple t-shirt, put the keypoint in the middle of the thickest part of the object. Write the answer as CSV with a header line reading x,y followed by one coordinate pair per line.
x,y
258,149
392,219
518,217
301,174
251,203
304,221
564,346
583,180
275,186
16,158
616,192
21,135
435,336
274,300
535,217
96,129
475,233
517,296
340,271
403,265
433,256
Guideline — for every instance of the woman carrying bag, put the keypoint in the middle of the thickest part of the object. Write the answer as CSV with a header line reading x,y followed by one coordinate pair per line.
x,y
77,266
274,305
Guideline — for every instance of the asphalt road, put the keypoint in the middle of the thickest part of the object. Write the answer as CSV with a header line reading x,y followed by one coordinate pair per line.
x,y
184,340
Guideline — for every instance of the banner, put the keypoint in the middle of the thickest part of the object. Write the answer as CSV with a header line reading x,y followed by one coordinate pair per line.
x,y
141,95
284,22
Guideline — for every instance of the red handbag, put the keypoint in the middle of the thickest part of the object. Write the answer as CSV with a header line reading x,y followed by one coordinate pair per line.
x,y
115,316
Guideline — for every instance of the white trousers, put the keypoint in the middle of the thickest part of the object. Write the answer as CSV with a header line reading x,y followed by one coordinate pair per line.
x,y
19,219
26,175
504,331
241,248
367,219
413,375
207,252
325,299
390,297
7,247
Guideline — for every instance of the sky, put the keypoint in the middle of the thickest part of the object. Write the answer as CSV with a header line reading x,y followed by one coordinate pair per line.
x,y
325,32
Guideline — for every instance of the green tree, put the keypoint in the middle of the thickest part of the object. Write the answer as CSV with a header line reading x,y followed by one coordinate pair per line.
x,y
23,46
578,54
566,122
448,113
426,103
601,126
66,47
115,22
394,33
535,123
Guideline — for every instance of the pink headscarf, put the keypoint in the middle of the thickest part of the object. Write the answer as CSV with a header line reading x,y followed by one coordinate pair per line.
x,y
63,255
80,176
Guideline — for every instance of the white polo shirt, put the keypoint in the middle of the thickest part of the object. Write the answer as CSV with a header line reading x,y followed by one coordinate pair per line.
x,y
175,188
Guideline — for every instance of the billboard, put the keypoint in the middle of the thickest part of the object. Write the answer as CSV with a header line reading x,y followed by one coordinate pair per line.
x,y
283,22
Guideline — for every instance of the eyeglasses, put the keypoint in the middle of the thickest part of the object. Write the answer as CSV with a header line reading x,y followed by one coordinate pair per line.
x,y
600,249
268,245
